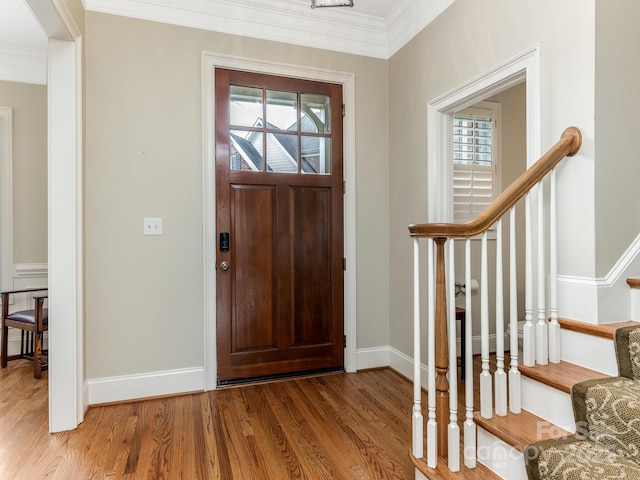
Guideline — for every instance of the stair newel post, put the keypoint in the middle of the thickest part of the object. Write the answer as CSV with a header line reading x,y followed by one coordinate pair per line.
x,y
432,425
500,375
470,449
528,333
542,330
486,384
442,355
515,396
554,326
417,420
453,434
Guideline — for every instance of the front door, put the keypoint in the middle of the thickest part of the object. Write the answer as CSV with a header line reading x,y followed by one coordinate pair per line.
x,y
279,194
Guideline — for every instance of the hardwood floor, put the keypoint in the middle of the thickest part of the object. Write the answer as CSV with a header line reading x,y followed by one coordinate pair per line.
x,y
338,426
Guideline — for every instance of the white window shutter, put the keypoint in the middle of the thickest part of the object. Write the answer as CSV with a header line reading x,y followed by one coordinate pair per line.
x,y
475,166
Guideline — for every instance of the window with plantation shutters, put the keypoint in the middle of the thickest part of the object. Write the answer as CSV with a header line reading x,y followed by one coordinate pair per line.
x,y
475,160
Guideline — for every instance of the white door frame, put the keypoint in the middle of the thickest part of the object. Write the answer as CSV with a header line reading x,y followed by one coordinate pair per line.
x,y
209,62
523,67
65,204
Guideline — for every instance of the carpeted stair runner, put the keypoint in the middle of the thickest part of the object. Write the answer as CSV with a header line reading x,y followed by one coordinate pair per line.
x,y
606,444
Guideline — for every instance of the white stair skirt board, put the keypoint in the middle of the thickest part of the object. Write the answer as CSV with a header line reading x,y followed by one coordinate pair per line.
x,y
589,351
146,385
548,403
503,459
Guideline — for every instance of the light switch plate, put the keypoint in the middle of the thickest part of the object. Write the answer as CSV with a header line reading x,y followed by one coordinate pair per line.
x,y
152,226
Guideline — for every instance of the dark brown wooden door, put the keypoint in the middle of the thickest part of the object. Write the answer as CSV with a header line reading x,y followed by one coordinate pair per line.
x,y
279,189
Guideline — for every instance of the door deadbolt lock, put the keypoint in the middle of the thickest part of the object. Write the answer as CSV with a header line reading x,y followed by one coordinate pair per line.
x,y
224,266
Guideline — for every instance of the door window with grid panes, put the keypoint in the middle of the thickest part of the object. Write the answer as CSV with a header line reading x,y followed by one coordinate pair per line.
x,y
476,160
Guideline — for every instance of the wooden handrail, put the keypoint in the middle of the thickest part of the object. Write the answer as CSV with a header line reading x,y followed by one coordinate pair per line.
x,y
567,146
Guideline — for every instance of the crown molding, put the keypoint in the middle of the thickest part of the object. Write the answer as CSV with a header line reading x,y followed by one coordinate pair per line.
x,y
409,18
24,66
288,21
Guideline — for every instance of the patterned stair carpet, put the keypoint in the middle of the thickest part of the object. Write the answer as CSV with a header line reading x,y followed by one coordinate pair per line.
x,y
606,444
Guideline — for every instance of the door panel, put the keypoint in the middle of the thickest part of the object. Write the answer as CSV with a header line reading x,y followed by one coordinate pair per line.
x,y
311,266
253,230
279,194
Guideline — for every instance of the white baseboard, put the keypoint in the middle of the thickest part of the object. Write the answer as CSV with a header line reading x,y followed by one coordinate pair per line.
x,y
372,358
403,364
131,387
154,384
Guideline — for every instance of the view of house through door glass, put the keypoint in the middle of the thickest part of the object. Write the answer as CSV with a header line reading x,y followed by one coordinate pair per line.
x,y
279,194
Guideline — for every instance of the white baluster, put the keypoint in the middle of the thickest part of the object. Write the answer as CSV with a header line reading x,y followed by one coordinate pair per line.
x,y
554,326
515,397
500,375
486,401
528,333
469,425
432,425
542,331
453,434
417,419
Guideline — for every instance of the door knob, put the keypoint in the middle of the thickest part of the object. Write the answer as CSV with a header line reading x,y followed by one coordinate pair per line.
x,y
224,266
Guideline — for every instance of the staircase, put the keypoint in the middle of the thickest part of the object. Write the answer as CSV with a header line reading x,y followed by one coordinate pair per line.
x,y
513,443
606,434
517,418
457,445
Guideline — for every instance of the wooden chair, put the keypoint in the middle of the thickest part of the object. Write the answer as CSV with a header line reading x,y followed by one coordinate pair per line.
x,y
33,324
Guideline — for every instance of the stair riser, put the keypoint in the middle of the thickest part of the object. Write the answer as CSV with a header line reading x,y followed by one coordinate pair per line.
x,y
548,403
589,351
635,304
501,458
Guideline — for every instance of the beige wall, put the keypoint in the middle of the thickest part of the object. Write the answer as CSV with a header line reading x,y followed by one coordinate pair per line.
x,y
468,39
617,74
29,114
144,295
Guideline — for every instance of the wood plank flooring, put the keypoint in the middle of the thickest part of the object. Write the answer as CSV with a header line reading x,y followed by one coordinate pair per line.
x,y
338,426
335,426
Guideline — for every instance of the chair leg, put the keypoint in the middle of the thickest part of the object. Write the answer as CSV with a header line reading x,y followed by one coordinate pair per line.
x,y
37,356
5,343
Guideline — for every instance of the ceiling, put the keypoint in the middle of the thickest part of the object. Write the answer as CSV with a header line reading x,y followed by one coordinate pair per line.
x,y
374,28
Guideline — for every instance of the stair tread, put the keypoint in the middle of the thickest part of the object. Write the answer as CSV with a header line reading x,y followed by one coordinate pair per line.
x,y
561,375
604,330
633,282
442,472
519,429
